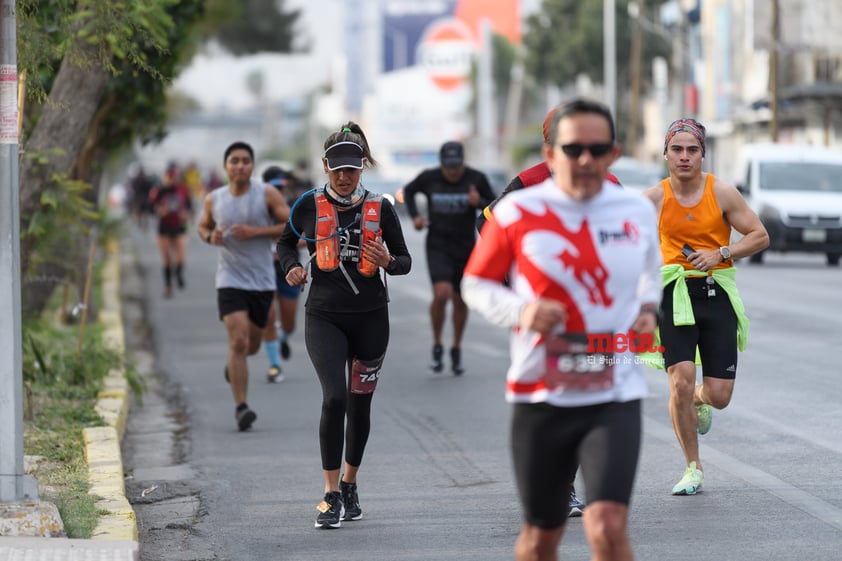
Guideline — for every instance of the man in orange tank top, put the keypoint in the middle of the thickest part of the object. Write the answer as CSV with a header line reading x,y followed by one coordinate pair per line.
x,y
702,313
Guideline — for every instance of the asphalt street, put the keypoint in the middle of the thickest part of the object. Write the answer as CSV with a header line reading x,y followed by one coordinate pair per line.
x,y
436,482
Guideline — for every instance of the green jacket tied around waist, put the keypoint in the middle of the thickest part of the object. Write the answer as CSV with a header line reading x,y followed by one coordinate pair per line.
x,y
682,313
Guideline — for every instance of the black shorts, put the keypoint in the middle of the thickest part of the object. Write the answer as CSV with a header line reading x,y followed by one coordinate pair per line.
x,y
170,231
548,443
256,302
715,331
446,265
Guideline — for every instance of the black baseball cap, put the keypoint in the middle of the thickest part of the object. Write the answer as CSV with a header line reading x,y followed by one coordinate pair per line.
x,y
452,154
344,155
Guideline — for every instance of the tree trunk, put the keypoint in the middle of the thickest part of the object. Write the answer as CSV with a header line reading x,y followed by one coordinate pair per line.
x,y
59,136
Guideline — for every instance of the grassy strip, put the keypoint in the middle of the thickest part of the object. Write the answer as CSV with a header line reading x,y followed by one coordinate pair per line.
x,y
61,387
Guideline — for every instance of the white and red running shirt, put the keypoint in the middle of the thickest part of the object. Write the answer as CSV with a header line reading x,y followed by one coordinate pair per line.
x,y
601,258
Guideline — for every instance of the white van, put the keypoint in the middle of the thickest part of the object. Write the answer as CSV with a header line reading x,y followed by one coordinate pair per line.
x,y
796,190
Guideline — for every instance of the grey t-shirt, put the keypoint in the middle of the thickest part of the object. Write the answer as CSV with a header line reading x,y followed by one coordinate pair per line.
x,y
244,264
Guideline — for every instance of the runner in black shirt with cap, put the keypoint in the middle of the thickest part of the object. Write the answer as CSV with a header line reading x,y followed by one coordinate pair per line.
x,y
454,192
352,234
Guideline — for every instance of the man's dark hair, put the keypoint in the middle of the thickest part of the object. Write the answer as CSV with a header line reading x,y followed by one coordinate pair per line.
x,y
579,105
239,145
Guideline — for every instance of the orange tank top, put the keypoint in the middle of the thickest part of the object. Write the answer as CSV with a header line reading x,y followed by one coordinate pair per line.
x,y
700,226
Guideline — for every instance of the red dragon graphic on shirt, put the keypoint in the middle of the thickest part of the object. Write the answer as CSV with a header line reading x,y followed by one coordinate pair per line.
x,y
584,264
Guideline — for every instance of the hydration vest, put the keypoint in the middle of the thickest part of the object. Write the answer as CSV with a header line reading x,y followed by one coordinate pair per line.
x,y
327,242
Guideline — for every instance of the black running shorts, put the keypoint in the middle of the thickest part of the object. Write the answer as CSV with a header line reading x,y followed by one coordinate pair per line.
x,y
447,265
549,442
715,331
256,302
170,231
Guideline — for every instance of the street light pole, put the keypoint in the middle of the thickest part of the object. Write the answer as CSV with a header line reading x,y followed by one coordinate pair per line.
x,y
11,383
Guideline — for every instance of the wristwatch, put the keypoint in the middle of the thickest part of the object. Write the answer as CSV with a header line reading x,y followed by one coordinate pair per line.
x,y
725,253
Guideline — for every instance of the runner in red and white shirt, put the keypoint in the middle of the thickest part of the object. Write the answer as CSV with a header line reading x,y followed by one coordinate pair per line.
x,y
532,176
581,259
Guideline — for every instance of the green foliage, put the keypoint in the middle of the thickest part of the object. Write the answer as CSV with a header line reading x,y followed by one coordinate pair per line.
x,y
87,33
51,359
55,435
77,508
255,26
62,388
62,382
139,94
135,381
64,215
65,484
565,39
503,59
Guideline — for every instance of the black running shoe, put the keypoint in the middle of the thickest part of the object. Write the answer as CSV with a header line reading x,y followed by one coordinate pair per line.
x,y
437,365
331,510
351,500
285,350
245,417
456,361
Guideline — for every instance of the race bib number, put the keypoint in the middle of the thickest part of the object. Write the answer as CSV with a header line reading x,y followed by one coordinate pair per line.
x,y
573,365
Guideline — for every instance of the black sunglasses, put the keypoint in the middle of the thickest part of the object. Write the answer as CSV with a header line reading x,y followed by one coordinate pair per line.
x,y
596,150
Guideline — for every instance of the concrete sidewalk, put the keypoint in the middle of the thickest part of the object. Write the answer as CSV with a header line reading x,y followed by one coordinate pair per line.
x,y
63,549
115,536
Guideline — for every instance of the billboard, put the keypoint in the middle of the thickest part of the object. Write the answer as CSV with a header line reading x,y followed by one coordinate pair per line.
x,y
442,36
423,95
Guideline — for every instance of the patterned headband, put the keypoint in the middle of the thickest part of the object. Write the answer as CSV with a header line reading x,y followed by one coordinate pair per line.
x,y
686,125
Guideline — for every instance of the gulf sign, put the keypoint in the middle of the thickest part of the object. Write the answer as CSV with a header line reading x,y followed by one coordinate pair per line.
x,y
442,36
446,51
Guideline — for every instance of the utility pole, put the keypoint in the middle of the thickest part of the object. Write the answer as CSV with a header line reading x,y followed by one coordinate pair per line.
x,y
609,41
11,378
636,56
486,127
773,69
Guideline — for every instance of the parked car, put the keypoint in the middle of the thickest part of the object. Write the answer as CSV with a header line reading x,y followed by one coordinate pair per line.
x,y
635,174
796,190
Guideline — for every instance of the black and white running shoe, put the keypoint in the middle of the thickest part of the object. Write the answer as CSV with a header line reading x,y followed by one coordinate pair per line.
x,y
331,510
351,500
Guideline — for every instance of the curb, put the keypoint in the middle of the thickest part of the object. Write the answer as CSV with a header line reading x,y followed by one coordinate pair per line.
x,y
102,444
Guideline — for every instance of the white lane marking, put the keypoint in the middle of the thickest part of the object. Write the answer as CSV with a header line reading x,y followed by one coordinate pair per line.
x,y
802,500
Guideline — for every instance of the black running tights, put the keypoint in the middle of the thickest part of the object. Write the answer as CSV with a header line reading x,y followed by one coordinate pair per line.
x,y
333,341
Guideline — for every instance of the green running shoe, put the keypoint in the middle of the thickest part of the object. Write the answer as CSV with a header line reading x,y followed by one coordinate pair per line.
x,y
704,414
691,483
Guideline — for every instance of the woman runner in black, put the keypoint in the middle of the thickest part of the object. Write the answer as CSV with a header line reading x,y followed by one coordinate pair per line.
x,y
351,233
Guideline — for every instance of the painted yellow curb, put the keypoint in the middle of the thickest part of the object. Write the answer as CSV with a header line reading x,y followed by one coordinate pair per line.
x,y
102,444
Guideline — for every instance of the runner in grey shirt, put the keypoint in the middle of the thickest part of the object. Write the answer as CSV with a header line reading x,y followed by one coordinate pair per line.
x,y
242,218
242,261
